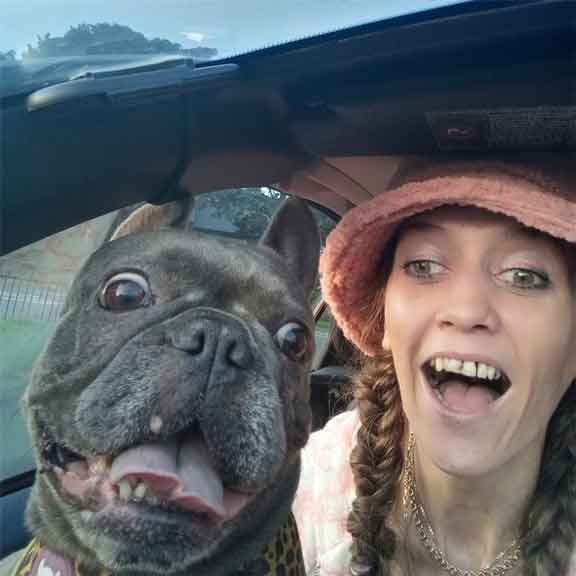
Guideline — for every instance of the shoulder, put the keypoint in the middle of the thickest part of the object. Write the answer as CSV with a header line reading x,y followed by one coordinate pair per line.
x,y
326,492
328,450
338,433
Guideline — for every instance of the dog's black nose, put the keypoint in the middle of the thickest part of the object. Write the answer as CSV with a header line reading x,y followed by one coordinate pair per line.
x,y
216,342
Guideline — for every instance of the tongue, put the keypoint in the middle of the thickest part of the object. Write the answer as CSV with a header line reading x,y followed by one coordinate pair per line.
x,y
462,397
178,471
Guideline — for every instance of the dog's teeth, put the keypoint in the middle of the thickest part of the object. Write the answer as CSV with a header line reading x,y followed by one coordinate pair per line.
x,y
156,424
140,491
124,490
152,499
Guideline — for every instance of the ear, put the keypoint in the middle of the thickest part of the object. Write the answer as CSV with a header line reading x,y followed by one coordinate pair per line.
x,y
149,217
294,235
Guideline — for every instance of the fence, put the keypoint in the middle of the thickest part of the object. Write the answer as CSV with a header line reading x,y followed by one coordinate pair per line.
x,y
27,300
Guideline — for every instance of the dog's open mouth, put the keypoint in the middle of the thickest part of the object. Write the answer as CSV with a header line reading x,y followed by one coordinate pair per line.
x,y
175,475
465,386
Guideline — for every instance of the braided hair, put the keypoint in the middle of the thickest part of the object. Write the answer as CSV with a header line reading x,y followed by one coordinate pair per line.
x,y
377,462
550,522
377,459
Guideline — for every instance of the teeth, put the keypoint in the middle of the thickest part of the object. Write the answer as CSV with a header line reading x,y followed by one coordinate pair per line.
x,y
482,370
152,499
453,365
124,490
469,369
128,491
466,368
140,491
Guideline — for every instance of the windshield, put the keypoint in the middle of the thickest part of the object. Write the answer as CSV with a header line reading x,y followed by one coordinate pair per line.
x,y
205,29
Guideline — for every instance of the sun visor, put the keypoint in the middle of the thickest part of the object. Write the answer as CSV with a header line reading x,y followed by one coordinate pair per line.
x,y
343,182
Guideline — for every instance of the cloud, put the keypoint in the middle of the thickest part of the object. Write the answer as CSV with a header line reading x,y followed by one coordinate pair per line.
x,y
197,37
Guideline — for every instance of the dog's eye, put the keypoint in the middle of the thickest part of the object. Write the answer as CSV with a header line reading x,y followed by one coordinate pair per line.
x,y
125,291
294,340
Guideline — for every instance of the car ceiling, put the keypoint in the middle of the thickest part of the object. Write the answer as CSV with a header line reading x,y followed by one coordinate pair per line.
x,y
326,118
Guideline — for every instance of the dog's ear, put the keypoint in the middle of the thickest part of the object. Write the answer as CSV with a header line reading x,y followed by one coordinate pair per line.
x,y
149,217
293,233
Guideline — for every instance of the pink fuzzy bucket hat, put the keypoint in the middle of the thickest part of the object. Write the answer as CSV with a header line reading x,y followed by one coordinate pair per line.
x,y
539,193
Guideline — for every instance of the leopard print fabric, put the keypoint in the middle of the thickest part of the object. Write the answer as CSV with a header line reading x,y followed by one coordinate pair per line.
x,y
283,557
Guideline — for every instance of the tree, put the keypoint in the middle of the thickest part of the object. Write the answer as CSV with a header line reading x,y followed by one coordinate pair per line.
x,y
9,56
242,212
248,210
107,38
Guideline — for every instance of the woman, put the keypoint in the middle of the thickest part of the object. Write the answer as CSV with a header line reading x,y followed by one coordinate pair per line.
x,y
460,458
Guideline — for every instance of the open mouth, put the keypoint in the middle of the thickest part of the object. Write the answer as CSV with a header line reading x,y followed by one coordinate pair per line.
x,y
174,475
465,386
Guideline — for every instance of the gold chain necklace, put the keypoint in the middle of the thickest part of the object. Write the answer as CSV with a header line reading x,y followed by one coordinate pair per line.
x,y
502,564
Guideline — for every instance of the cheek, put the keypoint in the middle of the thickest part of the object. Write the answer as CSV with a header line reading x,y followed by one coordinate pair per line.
x,y
406,319
550,344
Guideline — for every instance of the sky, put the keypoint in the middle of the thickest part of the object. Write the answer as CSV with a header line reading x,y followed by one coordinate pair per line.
x,y
231,26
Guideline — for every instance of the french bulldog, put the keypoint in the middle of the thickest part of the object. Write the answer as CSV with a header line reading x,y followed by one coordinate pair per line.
x,y
168,410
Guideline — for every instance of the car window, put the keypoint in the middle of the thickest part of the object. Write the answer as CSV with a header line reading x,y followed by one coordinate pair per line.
x,y
34,281
203,30
33,284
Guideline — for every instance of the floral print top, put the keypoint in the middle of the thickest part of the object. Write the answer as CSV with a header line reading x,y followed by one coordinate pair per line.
x,y
325,495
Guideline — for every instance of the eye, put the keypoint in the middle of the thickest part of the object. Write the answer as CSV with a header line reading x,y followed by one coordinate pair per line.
x,y
125,291
293,340
423,269
525,279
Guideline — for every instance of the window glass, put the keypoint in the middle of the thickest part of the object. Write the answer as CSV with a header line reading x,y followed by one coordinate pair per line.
x,y
240,213
33,285
34,281
245,213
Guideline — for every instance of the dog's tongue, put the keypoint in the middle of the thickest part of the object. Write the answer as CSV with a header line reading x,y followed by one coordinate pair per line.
x,y
462,397
178,471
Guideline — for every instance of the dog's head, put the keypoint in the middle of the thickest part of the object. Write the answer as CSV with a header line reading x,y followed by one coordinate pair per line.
x,y
168,410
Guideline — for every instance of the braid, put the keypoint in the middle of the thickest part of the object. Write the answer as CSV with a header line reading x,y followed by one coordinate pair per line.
x,y
376,462
550,524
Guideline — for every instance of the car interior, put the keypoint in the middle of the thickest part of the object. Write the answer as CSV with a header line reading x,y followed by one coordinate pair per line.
x,y
324,118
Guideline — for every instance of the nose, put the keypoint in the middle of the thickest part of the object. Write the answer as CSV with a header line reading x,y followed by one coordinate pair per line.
x,y
215,344
468,305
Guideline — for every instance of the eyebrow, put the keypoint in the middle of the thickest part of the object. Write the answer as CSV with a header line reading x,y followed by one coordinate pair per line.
x,y
517,230
418,226
520,230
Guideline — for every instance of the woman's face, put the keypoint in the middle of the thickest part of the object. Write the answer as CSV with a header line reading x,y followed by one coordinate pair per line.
x,y
480,318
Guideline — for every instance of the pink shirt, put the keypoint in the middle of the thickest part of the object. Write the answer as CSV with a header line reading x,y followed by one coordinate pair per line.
x,y
325,495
